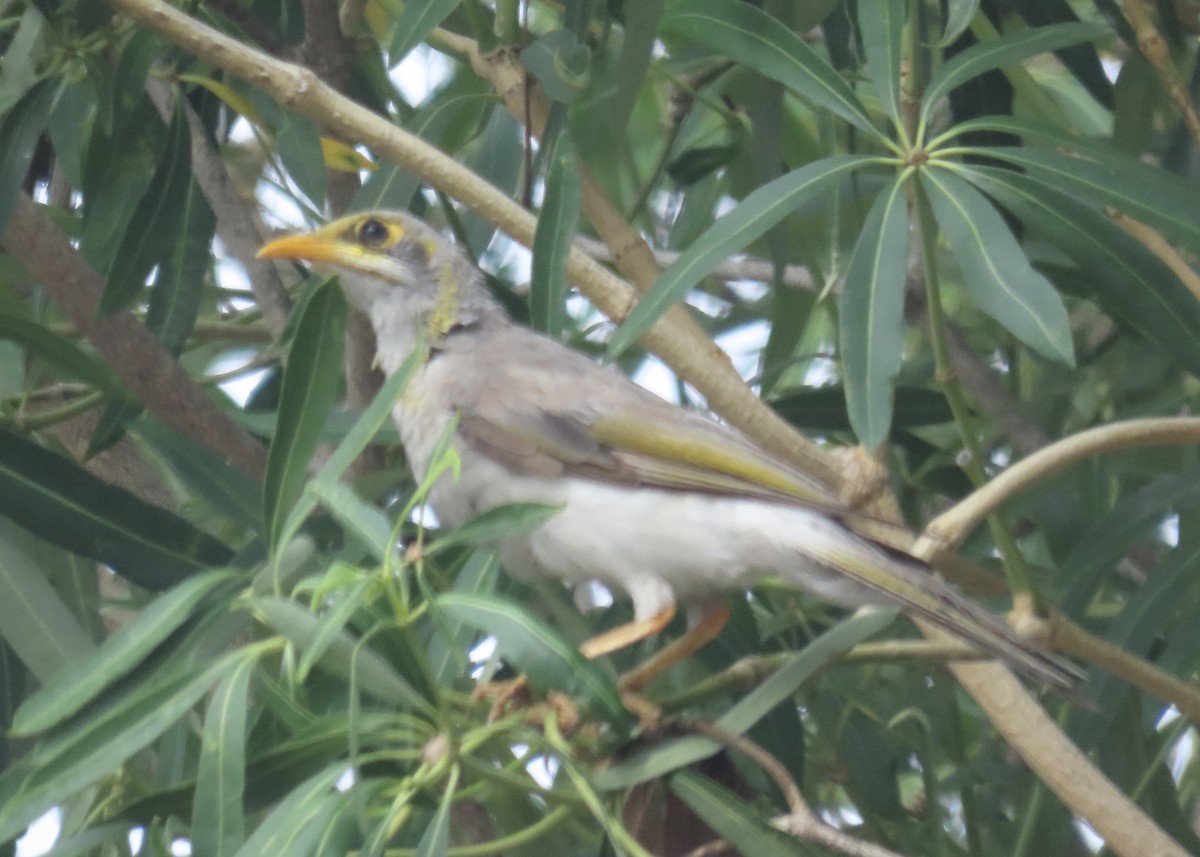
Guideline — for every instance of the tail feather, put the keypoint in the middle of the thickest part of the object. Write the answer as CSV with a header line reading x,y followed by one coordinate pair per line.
x,y
918,588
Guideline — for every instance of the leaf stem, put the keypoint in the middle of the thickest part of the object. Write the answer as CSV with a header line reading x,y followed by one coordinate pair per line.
x,y
972,463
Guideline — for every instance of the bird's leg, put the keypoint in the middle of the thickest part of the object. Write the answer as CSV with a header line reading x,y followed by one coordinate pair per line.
x,y
694,639
626,635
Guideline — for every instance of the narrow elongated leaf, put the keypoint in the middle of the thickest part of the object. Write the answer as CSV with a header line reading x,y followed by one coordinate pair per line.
x,y
958,17
63,353
731,818
310,387
28,791
544,657
304,804
343,655
675,754
218,823
552,239
882,25
155,222
299,145
175,294
33,619
501,522
996,273
1166,598
754,39
331,624
230,491
1126,278
368,425
19,132
67,506
751,219
71,688
1111,536
872,316
1152,196
415,23
436,838
1007,49
356,516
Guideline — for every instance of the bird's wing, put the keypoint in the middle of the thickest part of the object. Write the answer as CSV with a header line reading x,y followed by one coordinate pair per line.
x,y
588,421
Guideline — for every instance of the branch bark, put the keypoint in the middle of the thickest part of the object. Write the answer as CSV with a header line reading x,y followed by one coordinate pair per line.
x,y
149,371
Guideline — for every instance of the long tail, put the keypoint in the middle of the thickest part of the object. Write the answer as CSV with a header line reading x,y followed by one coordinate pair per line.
x,y
916,587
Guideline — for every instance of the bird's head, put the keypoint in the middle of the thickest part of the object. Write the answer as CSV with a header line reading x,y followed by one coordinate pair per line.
x,y
395,268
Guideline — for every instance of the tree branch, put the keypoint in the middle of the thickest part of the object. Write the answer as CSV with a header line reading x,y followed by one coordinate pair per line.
x,y
149,371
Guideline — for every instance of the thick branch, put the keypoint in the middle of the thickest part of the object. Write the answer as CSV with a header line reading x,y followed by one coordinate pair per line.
x,y
149,371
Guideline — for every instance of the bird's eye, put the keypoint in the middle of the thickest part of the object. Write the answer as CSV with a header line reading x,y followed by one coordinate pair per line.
x,y
373,232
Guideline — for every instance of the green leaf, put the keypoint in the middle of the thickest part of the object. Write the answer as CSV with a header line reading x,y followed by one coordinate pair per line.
x,y
19,132
357,517
343,656
882,25
500,522
218,824
366,427
310,387
229,490
958,17
996,274
300,810
872,316
153,228
552,239
543,656
560,64
436,839
1007,49
751,219
299,146
33,619
70,122
331,624
415,23
1123,275
73,687
66,355
1151,195
731,818
752,38
672,755
60,501
1166,598
175,293
95,750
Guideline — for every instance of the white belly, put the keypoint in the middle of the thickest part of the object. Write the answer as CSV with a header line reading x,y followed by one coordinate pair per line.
x,y
657,546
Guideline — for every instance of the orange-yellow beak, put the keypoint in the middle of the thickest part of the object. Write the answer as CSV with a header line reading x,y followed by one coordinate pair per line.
x,y
318,246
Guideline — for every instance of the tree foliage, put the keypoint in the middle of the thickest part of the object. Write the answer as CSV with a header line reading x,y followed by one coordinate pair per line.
x,y
946,237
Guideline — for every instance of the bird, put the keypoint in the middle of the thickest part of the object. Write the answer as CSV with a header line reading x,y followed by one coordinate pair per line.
x,y
662,504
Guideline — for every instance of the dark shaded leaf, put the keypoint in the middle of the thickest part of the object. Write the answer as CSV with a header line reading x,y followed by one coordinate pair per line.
x,y
310,387
753,38
553,238
542,656
753,216
67,506
154,226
